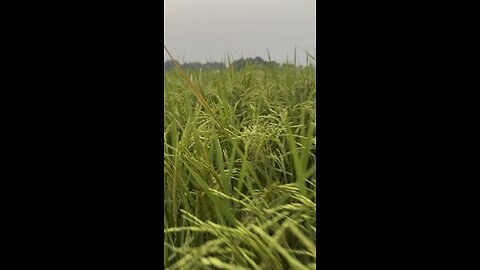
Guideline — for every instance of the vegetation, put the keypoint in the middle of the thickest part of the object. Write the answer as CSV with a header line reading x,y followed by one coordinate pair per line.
x,y
240,167
238,64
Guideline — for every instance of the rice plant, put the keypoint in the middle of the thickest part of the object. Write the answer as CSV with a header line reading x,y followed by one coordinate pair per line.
x,y
240,168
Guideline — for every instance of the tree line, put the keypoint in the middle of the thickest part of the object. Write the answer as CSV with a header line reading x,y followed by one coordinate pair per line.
x,y
238,64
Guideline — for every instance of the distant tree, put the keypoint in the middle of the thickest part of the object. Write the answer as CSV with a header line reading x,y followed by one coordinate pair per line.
x,y
168,65
238,64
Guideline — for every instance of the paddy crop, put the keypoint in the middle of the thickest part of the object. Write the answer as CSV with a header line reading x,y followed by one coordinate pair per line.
x,y
240,168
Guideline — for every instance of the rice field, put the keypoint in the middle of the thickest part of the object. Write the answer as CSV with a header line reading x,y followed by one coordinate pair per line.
x,y
240,168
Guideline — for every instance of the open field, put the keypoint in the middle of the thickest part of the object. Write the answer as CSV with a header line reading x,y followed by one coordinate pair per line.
x,y
240,169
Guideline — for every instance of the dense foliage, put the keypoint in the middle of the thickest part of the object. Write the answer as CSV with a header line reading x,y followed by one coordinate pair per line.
x,y
240,177
237,64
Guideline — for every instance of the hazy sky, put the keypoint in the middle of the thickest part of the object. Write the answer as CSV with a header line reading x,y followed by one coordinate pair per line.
x,y
198,29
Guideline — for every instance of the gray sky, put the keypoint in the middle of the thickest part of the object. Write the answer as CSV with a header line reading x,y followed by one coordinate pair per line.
x,y
198,29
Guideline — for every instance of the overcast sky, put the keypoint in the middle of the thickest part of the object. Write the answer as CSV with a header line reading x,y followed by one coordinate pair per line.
x,y
199,29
